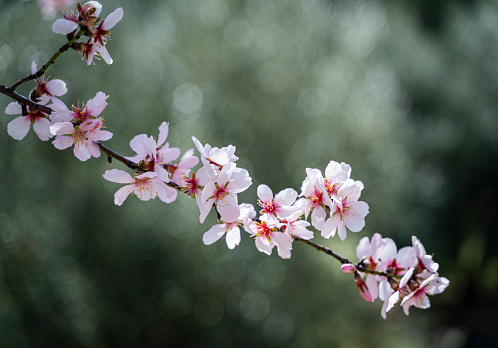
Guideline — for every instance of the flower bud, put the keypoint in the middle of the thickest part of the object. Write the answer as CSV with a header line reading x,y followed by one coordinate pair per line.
x,y
362,288
348,268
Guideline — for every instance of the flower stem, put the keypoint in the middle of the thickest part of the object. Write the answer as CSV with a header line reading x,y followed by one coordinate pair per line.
x,y
51,61
344,260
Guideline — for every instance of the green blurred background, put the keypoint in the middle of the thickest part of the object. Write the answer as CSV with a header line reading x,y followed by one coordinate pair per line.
x,y
405,92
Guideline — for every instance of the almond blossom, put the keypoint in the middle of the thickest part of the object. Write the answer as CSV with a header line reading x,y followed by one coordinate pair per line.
x,y
317,198
267,236
86,112
18,128
276,207
214,155
84,137
231,229
101,34
86,15
419,297
347,211
222,190
145,186
47,90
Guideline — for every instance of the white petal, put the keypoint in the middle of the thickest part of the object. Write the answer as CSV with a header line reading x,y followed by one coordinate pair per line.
x,y
214,234
113,18
355,225
264,193
14,108
19,127
123,193
42,129
233,237
62,142
119,176
163,134
56,87
286,197
165,193
64,26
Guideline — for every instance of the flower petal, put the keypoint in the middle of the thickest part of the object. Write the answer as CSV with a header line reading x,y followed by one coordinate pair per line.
x,y
64,26
214,234
42,128
119,176
113,18
19,127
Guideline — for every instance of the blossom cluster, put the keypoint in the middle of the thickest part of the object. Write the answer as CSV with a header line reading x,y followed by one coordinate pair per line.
x,y
155,169
86,17
331,200
408,275
82,125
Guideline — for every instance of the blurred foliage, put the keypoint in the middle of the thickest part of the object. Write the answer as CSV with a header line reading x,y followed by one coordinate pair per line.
x,y
405,92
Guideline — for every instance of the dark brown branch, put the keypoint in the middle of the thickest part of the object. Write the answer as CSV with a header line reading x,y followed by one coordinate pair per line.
x,y
9,92
344,260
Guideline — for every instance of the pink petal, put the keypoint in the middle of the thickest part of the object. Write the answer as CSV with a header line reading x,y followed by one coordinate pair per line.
x,y
62,142
341,230
56,87
42,128
103,53
97,104
61,128
19,127
214,234
355,225
233,237
93,148
113,18
14,108
165,193
163,134
145,192
286,197
330,226
229,210
64,26
263,246
81,152
119,176
123,193
264,193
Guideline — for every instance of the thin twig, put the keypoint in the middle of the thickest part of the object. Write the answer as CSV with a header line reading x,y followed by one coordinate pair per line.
x,y
51,61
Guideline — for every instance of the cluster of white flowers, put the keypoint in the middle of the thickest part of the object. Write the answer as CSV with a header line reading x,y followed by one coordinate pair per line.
x,y
331,201
408,275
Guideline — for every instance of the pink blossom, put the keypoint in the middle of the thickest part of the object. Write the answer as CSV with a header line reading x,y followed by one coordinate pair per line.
x,y
88,111
182,168
84,137
347,211
267,236
433,285
47,90
369,253
317,198
335,175
214,155
295,226
425,261
101,33
222,192
86,15
278,207
18,128
145,186
231,229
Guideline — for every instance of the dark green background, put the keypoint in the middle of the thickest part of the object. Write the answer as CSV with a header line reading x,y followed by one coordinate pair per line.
x,y
405,92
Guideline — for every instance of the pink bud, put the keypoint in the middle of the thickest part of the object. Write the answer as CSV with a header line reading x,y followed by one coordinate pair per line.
x,y
348,268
